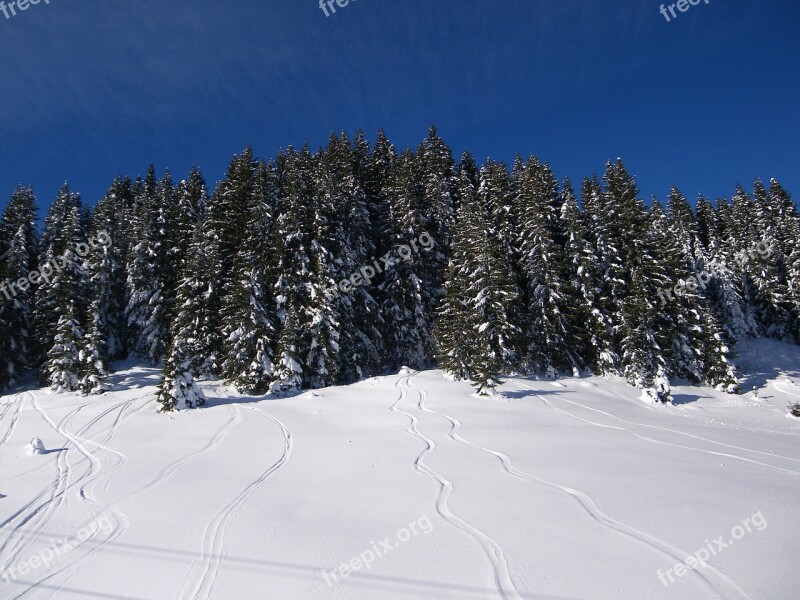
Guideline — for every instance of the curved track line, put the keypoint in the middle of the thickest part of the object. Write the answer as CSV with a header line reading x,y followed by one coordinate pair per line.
x,y
590,507
15,405
493,551
163,476
205,573
655,441
42,515
676,431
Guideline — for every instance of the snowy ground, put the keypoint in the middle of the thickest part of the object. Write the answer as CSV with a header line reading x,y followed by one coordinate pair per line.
x,y
573,489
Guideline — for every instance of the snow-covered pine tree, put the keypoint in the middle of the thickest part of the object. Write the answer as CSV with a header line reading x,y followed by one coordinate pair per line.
x,y
178,390
632,277
604,262
407,330
438,173
542,267
580,261
725,293
151,278
65,296
93,352
192,340
347,245
788,238
248,317
289,372
62,230
292,290
63,367
18,254
476,334
765,261
106,265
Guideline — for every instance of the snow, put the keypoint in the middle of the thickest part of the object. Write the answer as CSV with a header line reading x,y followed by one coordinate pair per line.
x,y
35,446
567,489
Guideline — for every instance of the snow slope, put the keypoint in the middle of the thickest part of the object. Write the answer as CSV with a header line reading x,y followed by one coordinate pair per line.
x,y
568,489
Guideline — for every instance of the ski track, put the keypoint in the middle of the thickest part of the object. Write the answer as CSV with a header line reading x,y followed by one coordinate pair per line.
x,y
122,522
165,475
782,391
16,406
502,577
41,516
676,431
655,441
724,588
204,573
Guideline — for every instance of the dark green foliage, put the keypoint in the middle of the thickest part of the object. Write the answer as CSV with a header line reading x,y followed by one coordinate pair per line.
x,y
288,275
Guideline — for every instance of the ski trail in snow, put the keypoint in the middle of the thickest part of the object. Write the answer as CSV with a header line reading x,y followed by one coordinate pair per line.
x,y
655,441
661,547
122,522
41,516
33,512
781,390
15,406
675,431
163,476
502,576
71,569
205,572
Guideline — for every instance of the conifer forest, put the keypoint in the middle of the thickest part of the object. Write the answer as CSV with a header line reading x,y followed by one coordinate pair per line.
x,y
303,271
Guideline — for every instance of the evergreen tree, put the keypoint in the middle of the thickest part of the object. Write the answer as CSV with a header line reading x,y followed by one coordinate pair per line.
x,y
93,353
247,312
63,367
178,389
18,257
476,335
542,268
61,279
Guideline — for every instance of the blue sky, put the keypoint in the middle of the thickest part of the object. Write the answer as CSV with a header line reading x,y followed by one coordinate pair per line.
x,y
92,89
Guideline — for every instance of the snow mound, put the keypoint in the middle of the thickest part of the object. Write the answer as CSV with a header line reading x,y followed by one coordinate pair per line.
x,y
35,446
405,371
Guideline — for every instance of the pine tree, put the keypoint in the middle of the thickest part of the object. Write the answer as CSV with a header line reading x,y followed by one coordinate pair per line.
x,y
542,268
63,300
405,306
61,279
18,260
93,353
178,389
580,289
292,291
106,268
247,312
631,278
152,277
63,367
289,371
476,335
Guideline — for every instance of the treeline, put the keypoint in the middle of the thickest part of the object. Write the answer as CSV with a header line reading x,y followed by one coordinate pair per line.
x,y
240,282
